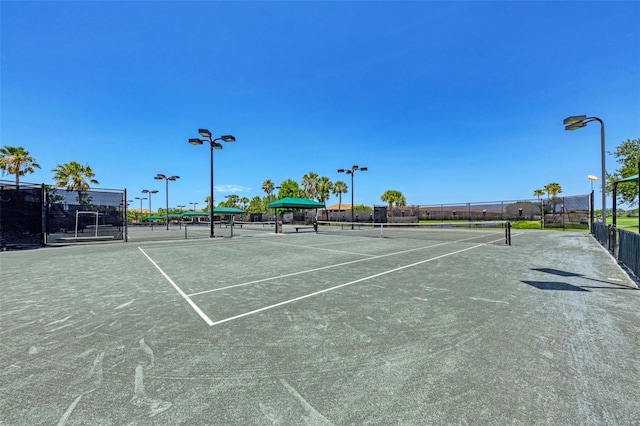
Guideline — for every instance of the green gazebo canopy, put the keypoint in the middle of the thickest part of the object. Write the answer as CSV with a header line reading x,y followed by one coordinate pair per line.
x,y
195,214
227,210
628,179
295,203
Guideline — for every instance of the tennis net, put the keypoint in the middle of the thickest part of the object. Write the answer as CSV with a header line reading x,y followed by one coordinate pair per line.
x,y
250,228
496,232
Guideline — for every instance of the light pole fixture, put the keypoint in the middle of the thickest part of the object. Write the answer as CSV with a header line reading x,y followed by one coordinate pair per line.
x,y
351,172
578,121
194,206
141,198
147,191
160,176
593,179
214,145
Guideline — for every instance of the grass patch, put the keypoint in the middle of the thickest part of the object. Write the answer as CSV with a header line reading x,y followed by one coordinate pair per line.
x,y
526,224
626,223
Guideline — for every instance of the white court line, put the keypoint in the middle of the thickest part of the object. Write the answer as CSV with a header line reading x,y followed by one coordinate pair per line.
x,y
373,257
315,269
317,247
342,285
189,301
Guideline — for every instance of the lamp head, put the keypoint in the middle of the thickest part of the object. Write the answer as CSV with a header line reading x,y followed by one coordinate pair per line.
x,y
575,126
340,170
228,138
363,169
574,119
173,178
593,178
196,141
204,133
216,145
160,176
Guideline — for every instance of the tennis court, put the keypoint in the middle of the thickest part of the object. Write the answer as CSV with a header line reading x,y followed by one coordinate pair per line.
x,y
306,328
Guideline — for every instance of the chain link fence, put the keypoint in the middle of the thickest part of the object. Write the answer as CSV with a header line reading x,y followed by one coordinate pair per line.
x,y
34,215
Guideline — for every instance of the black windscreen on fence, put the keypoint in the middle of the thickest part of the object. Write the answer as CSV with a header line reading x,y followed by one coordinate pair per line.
x,y
35,215
558,212
21,215
624,245
84,215
629,250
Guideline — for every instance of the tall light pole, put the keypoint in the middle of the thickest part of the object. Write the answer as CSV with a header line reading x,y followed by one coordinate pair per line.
x,y
214,145
194,206
147,191
591,196
351,172
141,198
160,176
578,121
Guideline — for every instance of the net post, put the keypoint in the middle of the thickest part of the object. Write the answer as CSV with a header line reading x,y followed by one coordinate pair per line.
x,y
507,233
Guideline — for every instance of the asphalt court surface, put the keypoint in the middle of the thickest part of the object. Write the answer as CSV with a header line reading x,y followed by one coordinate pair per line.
x,y
230,287
313,329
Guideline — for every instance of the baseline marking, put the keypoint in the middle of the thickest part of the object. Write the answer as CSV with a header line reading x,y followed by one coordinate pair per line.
x,y
342,285
179,290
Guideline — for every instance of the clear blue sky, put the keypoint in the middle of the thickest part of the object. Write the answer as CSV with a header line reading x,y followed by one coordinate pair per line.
x,y
444,101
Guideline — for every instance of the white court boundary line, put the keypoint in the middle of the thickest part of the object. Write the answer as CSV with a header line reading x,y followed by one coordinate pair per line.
x,y
293,274
212,323
295,299
179,290
314,247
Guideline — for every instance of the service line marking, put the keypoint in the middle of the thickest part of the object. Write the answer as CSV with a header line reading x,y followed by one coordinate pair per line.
x,y
326,290
179,290
321,268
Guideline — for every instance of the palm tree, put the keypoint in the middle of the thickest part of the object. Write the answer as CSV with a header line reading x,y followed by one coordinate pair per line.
x,y
539,193
75,177
340,188
243,202
323,191
392,197
17,161
268,186
309,183
232,200
207,201
553,189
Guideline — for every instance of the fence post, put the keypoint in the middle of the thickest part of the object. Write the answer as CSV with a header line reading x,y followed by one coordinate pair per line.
x,y
43,203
